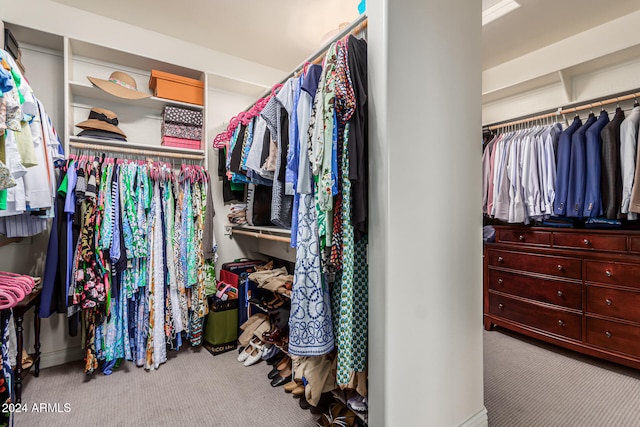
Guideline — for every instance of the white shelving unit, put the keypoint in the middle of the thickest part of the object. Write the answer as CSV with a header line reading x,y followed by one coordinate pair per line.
x,y
139,119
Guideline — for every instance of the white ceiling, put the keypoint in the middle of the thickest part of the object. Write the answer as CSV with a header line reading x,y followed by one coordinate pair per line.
x,y
282,33
538,23
279,34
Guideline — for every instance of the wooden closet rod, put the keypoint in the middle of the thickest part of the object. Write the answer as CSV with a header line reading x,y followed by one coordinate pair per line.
x,y
261,235
357,26
125,150
569,110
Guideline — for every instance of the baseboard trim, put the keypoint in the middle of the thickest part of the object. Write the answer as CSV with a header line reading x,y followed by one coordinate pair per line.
x,y
60,357
479,419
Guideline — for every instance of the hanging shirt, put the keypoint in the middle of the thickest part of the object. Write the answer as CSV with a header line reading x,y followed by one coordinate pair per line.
x,y
255,152
291,172
628,149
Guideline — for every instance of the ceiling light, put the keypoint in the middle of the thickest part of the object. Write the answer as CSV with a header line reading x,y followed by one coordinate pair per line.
x,y
498,10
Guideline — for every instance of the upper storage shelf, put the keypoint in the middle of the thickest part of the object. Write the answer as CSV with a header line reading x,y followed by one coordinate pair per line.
x,y
89,91
139,119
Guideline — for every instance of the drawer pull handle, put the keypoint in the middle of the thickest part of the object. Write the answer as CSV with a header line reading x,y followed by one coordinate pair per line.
x,y
560,294
586,242
521,238
500,281
560,323
500,306
608,301
560,267
608,334
608,273
500,259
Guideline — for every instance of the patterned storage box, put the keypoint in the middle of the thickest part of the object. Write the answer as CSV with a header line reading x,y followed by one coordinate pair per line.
x,y
184,116
170,141
177,130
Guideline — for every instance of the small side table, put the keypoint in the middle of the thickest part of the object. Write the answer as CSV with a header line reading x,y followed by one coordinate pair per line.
x,y
31,300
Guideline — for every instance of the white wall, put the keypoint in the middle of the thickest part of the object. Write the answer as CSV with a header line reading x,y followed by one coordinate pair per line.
x,y
56,18
221,106
425,279
596,63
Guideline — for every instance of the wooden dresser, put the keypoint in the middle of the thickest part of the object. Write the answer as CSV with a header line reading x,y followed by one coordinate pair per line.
x,y
579,289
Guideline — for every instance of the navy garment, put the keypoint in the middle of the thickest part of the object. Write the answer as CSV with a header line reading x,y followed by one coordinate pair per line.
x,y
592,195
611,176
562,169
577,169
52,279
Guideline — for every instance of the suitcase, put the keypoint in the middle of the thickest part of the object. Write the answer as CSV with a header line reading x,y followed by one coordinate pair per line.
x,y
242,265
237,273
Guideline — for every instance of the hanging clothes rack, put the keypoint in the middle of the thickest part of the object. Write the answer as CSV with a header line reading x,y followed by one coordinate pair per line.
x,y
125,150
261,235
568,110
356,27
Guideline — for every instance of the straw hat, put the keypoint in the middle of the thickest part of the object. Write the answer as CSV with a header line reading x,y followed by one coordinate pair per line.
x,y
120,84
102,119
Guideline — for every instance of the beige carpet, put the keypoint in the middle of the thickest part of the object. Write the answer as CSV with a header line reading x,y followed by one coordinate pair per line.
x,y
528,383
191,389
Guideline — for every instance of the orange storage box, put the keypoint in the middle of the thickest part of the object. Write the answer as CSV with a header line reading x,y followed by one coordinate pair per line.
x,y
177,88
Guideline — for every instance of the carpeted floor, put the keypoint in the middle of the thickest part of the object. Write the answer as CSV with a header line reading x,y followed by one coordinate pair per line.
x,y
193,388
529,383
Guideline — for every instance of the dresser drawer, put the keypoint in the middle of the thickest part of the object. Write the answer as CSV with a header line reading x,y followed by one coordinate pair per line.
x,y
613,303
613,273
548,319
535,263
594,242
635,244
613,336
527,237
557,292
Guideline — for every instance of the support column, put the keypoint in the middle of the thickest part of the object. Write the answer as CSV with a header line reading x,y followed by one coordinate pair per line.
x,y
425,250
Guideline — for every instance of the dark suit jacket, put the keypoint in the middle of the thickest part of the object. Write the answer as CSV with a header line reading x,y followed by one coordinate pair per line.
x,y
611,176
562,169
577,168
592,196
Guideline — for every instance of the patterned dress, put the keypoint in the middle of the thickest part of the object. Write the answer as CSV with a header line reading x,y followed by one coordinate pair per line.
x,y
310,325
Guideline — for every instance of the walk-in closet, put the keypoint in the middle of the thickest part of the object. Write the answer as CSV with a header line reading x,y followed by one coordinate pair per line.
x,y
339,213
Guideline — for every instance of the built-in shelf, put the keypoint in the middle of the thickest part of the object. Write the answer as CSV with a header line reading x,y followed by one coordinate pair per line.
x,y
89,91
136,146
